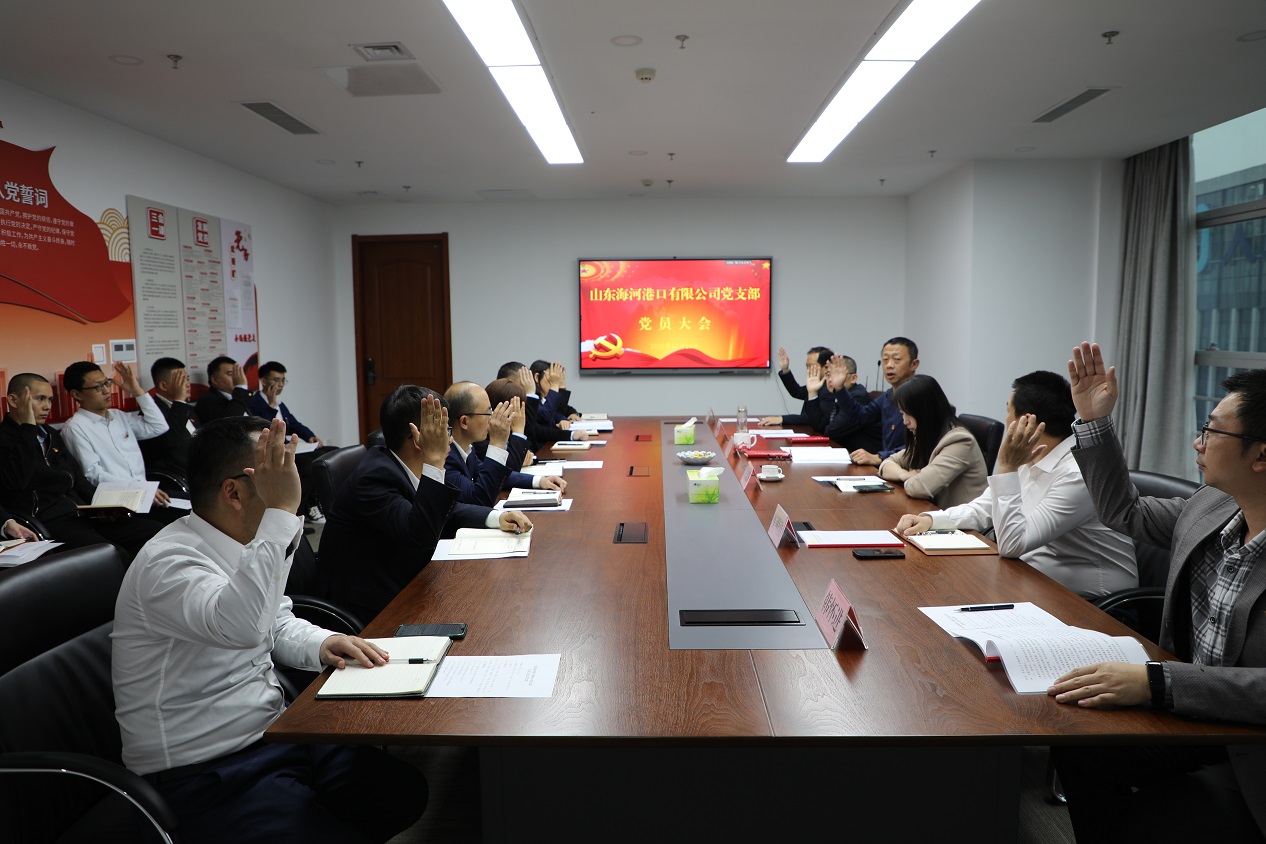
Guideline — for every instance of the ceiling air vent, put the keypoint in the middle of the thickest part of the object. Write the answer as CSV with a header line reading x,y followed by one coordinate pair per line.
x,y
388,51
1071,105
273,113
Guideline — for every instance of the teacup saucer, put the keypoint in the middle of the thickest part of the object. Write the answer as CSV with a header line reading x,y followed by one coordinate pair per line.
x,y
770,478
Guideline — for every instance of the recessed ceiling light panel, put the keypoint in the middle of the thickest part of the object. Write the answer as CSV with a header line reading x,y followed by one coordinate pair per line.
x,y
869,84
921,25
495,31
532,99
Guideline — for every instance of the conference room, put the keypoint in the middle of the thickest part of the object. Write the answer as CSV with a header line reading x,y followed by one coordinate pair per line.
x,y
949,214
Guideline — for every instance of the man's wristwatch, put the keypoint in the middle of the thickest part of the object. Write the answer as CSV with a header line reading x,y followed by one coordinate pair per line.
x,y
1156,681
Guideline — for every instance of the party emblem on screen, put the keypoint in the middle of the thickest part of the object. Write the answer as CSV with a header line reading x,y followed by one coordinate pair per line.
x,y
606,347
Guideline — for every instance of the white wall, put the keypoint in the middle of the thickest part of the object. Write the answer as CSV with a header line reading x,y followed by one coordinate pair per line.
x,y
1019,261
97,163
838,279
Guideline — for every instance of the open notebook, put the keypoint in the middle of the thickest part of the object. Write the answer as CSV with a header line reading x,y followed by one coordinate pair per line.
x,y
414,661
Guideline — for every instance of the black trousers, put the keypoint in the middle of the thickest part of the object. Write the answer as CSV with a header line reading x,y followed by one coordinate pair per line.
x,y
1153,794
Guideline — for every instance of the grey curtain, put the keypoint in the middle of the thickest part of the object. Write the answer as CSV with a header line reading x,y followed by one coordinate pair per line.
x,y
1157,317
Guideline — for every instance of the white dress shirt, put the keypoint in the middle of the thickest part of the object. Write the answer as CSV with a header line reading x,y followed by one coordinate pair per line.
x,y
107,446
197,623
1042,513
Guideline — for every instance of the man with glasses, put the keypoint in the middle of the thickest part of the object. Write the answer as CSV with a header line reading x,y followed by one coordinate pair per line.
x,y
105,441
1214,620
475,420
389,515
41,479
267,404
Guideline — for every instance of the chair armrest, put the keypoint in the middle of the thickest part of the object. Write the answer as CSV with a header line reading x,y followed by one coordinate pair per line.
x,y
326,614
169,483
134,788
1130,596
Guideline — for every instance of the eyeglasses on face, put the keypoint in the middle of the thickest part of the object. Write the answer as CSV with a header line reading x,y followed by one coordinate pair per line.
x,y
1205,431
103,387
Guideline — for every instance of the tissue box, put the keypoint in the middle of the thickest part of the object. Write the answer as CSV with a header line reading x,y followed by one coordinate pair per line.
x,y
684,435
701,490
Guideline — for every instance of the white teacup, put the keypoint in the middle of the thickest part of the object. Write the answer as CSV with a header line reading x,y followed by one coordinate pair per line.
x,y
744,439
770,470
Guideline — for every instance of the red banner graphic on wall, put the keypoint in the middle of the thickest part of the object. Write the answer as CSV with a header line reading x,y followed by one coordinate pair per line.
x,y
52,256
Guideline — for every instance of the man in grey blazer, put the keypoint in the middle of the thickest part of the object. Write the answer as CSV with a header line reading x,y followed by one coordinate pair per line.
x,y
1214,620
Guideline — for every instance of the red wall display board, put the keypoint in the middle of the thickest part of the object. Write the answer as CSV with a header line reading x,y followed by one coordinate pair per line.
x,y
66,282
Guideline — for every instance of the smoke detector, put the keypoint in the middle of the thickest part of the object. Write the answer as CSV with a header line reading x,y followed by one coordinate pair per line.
x,y
645,74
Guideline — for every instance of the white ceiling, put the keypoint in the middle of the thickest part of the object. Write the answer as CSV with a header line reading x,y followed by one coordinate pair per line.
x,y
730,106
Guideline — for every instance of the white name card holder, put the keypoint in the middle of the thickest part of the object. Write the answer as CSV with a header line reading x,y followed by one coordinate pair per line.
x,y
838,622
780,529
746,478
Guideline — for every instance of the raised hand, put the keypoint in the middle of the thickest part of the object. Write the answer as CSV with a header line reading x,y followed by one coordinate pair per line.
x,y
814,378
784,362
128,378
499,425
431,437
1094,383
274,472
180,384
1020,444
518,416
239,375
557,376
524,378
22,407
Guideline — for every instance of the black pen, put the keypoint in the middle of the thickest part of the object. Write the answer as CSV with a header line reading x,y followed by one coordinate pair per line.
x,y
942,530
987,607
417,660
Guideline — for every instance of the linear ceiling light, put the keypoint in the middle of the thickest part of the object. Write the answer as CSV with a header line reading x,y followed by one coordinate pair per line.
x,y
496,31
911,35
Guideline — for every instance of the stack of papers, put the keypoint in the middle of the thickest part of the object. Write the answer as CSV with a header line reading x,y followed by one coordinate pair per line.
x,y
483,544
593,425
816,454
850,539
552,467
17,551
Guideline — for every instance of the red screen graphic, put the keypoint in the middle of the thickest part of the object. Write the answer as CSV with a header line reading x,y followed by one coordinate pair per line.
x,y
690,314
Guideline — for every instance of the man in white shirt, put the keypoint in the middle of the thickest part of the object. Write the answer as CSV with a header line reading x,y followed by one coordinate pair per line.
x,y
105,441
199,620
1037,503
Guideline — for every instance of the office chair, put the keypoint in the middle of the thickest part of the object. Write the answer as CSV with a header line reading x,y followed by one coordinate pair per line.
x,y
988,433
322,613
1144,603
61,771
32,523
331,470
96,572
375,438
173,485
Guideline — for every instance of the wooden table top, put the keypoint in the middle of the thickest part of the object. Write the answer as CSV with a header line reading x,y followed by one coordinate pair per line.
x,y
603,607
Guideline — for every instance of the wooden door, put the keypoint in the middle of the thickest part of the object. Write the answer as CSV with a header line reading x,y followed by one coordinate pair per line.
x,y
402,319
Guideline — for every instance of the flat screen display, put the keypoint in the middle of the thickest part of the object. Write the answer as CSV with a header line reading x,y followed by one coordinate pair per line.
x,y
675,314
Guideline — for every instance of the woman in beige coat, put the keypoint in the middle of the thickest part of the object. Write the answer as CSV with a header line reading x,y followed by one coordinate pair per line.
x,y
942,461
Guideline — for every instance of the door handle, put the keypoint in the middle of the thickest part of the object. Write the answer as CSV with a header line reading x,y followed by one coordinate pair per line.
x,y
371,377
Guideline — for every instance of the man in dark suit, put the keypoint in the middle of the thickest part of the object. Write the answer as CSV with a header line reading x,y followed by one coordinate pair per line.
x,y
228,395
819,355
481,479
1214,620
169,452
539,433
840,375
40,478
551,382
389,515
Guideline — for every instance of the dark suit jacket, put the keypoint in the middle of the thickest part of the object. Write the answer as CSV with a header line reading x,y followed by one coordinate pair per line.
x,y
538,433
381,533
169,452
213,405
793,387
479,480
850,431
30,485
1236,690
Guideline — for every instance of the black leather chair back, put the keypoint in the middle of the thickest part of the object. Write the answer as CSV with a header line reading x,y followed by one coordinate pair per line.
x,y
331,470
38,610
1153,562
375,438
988,433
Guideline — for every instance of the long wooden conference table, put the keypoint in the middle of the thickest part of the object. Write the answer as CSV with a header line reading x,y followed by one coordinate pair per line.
x,y
661,732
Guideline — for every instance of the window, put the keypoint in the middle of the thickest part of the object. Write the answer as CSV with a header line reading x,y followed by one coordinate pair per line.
x,y
1230,173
